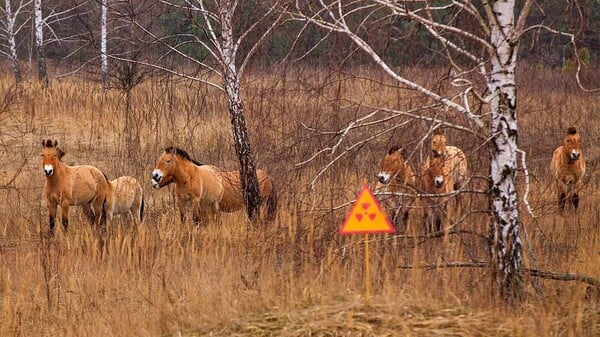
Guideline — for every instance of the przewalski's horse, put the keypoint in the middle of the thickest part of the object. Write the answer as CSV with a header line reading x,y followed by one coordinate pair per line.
x,y
79,185
127,198
454,161
396,176
568,167
436,179
205,189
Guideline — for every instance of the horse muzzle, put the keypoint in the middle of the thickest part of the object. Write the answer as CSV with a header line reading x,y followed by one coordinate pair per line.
x,y
156,178
383,178
48,170
439,181
575,155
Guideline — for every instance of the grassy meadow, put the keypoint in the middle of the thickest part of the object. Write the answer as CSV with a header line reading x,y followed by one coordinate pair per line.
x,y
295,276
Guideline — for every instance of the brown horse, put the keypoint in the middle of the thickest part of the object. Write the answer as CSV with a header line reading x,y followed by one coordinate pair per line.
x,y
455,162
396,176
436,179
79,185
205,189
127,198
454,159
568,167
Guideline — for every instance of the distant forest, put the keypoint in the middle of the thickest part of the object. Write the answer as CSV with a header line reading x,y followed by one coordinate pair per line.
x,y
72,36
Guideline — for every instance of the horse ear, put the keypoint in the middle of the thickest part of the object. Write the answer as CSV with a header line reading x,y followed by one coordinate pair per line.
x,y
394,149
572,130
55,143
61,153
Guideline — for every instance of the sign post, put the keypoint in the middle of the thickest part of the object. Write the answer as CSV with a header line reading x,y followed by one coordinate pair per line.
x,y
366,216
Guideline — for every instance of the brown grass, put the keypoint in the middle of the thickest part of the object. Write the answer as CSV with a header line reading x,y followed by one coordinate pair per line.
x,y
295,277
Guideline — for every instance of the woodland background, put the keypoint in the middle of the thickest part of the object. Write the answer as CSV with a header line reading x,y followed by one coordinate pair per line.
x,y
295,276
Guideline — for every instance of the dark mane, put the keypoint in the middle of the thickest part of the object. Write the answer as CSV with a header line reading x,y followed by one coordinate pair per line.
x,y
53,144
181,153
572,130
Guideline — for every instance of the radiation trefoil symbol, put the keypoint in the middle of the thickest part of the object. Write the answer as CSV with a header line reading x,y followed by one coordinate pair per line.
x,y
366,216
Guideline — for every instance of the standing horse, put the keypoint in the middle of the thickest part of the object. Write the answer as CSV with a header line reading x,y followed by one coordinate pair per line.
x,y
455,162
79,185
396,176
568,167
436,179
205,189
127,198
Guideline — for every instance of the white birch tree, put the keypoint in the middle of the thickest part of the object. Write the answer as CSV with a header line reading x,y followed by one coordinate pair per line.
x,y
103,43
9,28
487,49
38,20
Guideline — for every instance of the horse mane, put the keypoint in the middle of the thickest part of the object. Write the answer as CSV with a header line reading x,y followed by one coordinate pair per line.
x,y
572,130
182,153
49,143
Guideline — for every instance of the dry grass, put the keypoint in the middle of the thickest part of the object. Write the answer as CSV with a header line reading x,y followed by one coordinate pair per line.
x,y
296,276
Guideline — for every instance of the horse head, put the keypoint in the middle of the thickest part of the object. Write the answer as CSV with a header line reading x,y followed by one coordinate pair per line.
x,y
438,144
51,156
435,172
391,165
572,144
166,164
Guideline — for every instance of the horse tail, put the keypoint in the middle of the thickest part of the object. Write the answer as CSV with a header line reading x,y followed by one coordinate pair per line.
x,y
142,209
104,212
272,203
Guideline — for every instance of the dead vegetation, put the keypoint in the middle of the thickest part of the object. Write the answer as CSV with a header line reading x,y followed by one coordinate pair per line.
x,y
296,276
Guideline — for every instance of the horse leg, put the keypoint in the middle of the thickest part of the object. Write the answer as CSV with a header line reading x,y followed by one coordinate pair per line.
x,y
100,216
575,200
64,205
562,200
52,217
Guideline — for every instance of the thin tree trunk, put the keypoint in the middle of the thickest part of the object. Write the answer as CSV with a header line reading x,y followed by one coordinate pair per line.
x,y
507,257
103,37
248,178
39,42
241,139
10,27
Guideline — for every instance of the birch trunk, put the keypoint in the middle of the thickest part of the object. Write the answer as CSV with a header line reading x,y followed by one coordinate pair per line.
x,y
249,180
506,249
103,36
12,45
39,41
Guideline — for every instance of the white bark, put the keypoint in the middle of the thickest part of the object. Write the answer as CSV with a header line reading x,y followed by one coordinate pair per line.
x,y
9,30
103,42
503,108
39,41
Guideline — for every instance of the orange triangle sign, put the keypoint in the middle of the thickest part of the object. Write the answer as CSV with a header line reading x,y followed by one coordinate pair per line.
x,y
366,216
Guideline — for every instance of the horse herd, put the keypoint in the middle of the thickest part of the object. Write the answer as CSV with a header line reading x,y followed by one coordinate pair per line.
x,y
205,190
445,171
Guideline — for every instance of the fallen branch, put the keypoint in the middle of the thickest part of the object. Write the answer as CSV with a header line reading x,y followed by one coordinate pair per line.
x,y
531,272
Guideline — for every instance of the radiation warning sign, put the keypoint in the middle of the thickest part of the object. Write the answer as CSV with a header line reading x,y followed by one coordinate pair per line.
x,y
366,216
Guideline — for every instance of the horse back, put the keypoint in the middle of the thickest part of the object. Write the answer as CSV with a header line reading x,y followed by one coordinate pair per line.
x,y
458,164
126,193
86,183
212,183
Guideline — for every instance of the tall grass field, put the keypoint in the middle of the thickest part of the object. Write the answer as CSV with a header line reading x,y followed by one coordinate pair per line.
x,y
294,276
